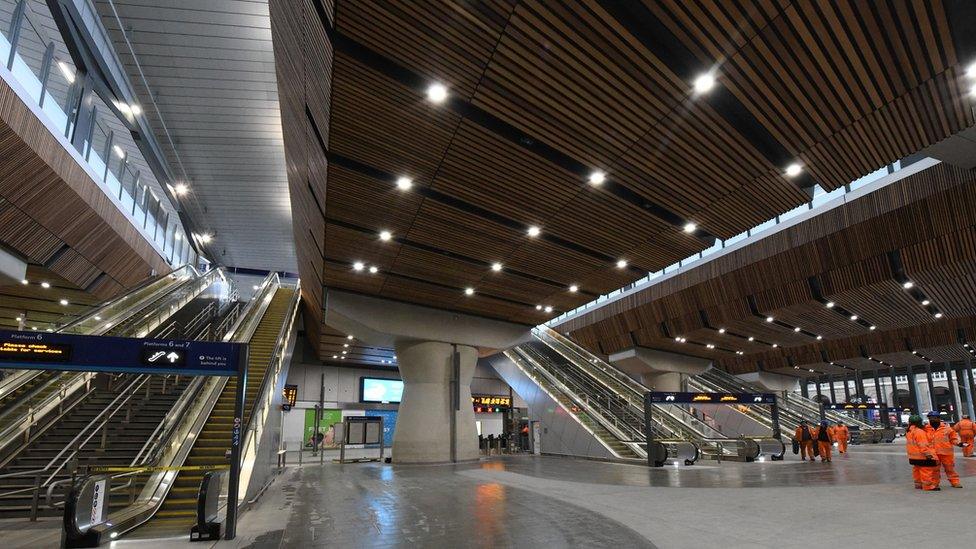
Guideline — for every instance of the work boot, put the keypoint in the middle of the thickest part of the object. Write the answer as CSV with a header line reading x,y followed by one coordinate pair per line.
x,y
936,489
957,485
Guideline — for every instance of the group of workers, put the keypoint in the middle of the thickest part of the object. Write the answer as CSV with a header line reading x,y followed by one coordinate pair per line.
x,y
930,449
819,441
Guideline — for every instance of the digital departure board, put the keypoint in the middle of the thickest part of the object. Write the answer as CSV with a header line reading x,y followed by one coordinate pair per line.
x,y
289,396
490,403
34,352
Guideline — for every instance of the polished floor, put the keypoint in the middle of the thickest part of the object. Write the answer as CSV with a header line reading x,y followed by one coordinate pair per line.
x,y
862,499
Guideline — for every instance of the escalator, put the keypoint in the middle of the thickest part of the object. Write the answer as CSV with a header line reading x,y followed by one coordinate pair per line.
x,y
178,511
107,420
792,407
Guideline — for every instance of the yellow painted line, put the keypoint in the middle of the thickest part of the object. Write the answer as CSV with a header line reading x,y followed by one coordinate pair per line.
x,y
98,469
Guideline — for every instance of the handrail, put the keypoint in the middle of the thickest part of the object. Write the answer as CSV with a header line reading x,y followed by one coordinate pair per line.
x,y
262,404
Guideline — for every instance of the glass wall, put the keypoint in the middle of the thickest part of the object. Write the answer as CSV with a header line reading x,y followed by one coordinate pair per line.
x,y
34,54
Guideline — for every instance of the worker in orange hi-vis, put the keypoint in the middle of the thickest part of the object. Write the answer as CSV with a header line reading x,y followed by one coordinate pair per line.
x,y
942,439
824,437
925,464
804,437
841,435
967,433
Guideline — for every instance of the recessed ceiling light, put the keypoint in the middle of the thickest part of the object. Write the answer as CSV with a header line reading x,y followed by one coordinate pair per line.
x,y
66,71
853,317
769,319
597,178
385,235
344,352
621,264
181,189
830,304
926,302
346,345
793,170
34,328
342,357
437,92
819,337
24,282
19,318
538,307
704,83
873,327
469,291
255,287
63,302
496,266
710,346
404,183
775,345
797,329
971,71
810,370
690,227
97,317
938,315
45,285
534,231
373,270
548,308
751,338
908,285
118,151
349,336
358,266
48,330
573,288
335,356
721,330
205,238
739,353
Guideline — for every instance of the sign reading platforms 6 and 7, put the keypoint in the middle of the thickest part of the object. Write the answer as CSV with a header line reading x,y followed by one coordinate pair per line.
x,y
48,351
659,397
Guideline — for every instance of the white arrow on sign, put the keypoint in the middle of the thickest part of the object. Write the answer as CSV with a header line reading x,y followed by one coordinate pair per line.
x,y
173,357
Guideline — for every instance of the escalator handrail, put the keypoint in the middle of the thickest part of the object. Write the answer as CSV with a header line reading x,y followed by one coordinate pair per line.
x,y
189,269
637,390
517,357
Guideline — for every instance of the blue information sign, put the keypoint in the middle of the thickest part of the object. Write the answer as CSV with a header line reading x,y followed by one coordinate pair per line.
x,y
51,351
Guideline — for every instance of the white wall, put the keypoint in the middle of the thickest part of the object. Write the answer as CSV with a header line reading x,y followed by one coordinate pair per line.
x,y
491,424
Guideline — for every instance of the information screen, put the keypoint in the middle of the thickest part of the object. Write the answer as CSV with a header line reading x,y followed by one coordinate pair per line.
x,y
34,352
374,389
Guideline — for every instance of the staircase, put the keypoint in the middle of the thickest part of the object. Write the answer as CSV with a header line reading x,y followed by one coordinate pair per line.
x,y
124,437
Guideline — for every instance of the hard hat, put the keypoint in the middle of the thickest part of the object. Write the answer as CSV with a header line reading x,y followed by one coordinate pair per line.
x,y
933,413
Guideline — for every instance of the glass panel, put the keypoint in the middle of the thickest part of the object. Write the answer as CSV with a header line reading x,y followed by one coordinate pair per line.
x,y
30,57
763,226
873,176
794,212
6,15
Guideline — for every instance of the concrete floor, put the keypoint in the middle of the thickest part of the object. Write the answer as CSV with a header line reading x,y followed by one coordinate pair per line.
x,y
864,499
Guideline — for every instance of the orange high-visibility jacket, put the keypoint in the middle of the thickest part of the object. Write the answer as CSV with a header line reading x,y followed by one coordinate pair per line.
x,y
798,435
966,428
841,433
942,439
917,444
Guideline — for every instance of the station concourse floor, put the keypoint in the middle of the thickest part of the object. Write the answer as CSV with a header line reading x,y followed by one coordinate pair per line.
x,y
863,499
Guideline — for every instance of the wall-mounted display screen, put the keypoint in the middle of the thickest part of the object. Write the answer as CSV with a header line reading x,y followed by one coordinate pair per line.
x,y
375,389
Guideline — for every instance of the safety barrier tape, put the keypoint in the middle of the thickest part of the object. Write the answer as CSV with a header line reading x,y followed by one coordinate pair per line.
x,y
106,469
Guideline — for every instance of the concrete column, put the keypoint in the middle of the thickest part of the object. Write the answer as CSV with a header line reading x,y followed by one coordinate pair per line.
x,y
847,390
833,391
804,388
427,411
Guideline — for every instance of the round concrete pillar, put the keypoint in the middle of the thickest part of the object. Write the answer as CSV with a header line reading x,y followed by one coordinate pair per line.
x,y
423,428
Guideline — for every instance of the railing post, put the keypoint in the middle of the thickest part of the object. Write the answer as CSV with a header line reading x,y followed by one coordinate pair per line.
x,y
107,156
46,72
35,498
14,34
104,435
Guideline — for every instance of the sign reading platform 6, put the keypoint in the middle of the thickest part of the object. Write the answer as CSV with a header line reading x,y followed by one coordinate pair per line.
x,y
660,397
49,351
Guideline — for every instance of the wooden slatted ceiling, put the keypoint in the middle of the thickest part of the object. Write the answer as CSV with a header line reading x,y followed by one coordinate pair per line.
x,y
851,271
55,215
892,81
42,305
333,343
560,88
